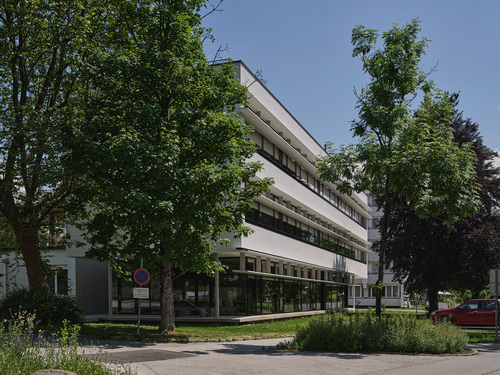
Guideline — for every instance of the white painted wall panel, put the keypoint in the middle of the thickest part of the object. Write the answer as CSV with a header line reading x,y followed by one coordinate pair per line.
x,y
309,199
262,100
273,244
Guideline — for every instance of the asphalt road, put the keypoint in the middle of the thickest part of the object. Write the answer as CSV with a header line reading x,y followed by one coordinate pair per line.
x,y
260,357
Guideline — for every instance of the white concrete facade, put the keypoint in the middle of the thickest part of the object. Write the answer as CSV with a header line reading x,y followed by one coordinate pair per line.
x,y
288,153
13,272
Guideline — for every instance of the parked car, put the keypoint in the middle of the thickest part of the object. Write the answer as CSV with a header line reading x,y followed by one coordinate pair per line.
x,y
470,313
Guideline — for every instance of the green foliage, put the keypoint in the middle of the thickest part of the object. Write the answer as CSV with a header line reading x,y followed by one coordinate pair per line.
x,y
462,295
476,336
24,350
49,308
364,332
161,146
431,257
185,331
44,45
402,150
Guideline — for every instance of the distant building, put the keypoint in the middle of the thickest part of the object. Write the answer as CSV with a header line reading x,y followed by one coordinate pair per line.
x,y
364,294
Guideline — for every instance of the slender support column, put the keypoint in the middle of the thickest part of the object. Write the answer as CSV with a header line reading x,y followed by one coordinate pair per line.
x,y
242,261
217,297
353,292
110,290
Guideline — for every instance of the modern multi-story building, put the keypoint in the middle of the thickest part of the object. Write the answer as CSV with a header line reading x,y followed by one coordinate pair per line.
x,y
309,242
364,295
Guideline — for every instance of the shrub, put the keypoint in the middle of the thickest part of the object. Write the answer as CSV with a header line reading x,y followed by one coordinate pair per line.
x,y
395,333
49,308
24,351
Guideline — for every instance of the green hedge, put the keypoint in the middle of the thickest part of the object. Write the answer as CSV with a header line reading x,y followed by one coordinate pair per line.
x,y
49,308
364,332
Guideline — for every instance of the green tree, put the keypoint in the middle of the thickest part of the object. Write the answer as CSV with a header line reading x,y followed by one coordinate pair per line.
x,y
43,47
163,147
431,257
400,153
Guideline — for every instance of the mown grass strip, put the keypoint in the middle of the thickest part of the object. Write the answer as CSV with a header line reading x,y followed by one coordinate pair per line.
x,y
196,332
218,332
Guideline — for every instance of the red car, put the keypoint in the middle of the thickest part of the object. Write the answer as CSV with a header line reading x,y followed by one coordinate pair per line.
x,y
470,313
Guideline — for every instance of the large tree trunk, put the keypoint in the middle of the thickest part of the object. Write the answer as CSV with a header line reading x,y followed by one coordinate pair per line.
x,y
28,241
433,298
167,320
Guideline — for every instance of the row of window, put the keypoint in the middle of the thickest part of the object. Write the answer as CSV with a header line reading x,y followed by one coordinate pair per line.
x,y
390,291
193,295
375,223
373,268
372,201
288,269
238,294
249,295
289,165
269,218
298,210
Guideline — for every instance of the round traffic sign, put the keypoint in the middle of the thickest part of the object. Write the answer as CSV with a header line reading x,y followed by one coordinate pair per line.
x,y
141,276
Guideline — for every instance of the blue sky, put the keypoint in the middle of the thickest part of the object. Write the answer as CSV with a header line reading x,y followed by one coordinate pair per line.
x,y
304,51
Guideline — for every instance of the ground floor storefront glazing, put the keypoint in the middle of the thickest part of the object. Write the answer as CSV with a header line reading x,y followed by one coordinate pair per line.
x,y
239,294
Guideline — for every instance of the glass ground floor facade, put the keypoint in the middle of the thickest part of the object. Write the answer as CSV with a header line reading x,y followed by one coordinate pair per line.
x,y
239,293
243,294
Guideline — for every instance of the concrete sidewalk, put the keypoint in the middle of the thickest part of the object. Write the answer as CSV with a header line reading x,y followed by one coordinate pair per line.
x,y
260,357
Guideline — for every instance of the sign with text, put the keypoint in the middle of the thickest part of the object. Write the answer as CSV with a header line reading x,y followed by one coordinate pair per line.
x,y
142,293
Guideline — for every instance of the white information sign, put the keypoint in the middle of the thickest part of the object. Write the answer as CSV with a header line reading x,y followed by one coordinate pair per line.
x,y
141,293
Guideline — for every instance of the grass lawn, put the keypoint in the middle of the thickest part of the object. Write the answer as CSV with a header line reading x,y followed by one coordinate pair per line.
x,y
205,332
194,332
482,336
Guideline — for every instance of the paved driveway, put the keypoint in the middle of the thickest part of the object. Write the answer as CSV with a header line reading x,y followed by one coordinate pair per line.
x,y
259,357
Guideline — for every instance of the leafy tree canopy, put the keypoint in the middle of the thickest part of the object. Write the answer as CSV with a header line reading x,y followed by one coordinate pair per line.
x,y
399,153
44,46
430,257
162,145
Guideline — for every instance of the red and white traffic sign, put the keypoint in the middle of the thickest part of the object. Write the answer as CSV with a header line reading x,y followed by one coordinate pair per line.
x,y
141,276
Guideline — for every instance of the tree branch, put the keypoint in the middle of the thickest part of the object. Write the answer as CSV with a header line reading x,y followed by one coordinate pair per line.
x,y
215,8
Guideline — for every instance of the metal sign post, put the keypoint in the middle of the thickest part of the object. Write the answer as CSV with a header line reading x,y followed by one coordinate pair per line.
x,y
494,278
139,317
141,277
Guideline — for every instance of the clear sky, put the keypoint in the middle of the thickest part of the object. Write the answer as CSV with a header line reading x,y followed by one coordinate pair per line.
x,y
304,51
